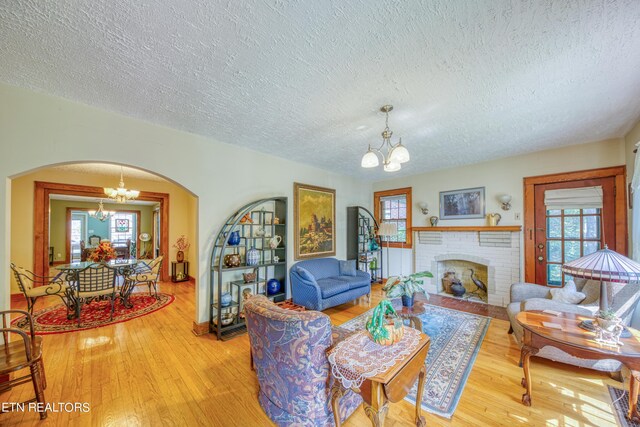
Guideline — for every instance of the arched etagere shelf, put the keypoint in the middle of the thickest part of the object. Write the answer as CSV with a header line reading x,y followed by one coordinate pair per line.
x,y
363,243
257,224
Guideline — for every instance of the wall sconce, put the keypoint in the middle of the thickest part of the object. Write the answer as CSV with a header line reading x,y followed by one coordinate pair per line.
x,y
505,199
424,207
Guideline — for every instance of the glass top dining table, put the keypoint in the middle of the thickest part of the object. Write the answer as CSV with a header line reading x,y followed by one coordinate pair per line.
x,y
115,263
123,268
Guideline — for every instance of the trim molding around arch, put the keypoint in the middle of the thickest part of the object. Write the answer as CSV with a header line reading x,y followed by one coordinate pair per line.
x,y
42,191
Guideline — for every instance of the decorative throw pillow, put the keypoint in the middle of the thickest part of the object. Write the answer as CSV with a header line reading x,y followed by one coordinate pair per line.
x,y
591,289
568,294
348,268
304,273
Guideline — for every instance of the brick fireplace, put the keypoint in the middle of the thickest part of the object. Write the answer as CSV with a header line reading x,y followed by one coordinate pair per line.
x,y
493,251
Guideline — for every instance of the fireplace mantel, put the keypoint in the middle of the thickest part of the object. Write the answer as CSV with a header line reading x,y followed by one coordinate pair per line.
x,y
471,228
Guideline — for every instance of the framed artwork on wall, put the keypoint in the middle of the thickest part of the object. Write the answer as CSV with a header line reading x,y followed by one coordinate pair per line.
x,y
462,204
314,221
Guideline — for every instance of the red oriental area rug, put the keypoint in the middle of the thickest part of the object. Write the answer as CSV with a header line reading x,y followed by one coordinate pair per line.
x,y
53,320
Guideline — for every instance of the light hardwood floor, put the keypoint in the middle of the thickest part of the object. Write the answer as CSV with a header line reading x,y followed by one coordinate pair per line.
x,y
153,371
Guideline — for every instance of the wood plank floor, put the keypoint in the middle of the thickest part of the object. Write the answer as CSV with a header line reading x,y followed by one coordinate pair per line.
x,y
153,371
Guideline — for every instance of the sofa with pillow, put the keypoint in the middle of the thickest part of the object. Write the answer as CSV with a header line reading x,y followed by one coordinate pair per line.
x,y
581,297
321,283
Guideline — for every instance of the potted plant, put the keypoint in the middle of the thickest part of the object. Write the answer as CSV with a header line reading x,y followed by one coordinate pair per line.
x,y
607,319
406,287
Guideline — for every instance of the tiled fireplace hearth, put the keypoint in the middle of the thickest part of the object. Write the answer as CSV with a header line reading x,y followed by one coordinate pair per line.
x,y
492,252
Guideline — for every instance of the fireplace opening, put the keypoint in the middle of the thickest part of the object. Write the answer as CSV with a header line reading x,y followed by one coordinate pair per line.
x,y
463,279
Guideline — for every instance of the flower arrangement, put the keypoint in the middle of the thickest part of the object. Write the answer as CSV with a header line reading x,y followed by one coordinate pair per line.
x,y
182,244
103,253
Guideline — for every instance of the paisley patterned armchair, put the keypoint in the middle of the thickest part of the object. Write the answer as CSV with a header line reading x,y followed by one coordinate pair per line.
x,y
289,357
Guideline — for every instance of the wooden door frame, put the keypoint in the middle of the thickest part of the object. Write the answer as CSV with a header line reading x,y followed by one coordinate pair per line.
x,y
67,232
43,190
619,173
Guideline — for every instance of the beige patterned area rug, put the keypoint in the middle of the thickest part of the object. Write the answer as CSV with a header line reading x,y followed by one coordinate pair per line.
x,y
456,337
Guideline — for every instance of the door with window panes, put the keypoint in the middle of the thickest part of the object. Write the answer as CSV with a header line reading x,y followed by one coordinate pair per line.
x,y
562,235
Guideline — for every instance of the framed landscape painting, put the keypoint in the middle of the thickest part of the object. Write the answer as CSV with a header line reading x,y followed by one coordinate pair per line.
x,y
462,204
314,221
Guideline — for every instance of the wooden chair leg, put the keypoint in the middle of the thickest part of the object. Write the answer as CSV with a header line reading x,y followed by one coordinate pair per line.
x,y
510,329
43,377
37,386
113,305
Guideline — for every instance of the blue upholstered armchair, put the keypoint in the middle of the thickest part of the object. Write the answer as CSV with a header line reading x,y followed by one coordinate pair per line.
x,y
289,356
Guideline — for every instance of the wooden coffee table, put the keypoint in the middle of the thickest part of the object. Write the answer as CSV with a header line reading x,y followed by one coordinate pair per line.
x,y
577,342
392,385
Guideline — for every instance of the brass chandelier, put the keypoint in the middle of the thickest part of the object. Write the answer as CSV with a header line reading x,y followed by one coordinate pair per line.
x,y
121,194
395,154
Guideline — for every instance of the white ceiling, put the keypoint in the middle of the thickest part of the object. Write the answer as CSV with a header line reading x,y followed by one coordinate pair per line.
x,y
470,81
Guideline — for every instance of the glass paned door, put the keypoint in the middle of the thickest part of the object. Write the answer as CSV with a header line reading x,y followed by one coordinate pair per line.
x,y
570,234
563,235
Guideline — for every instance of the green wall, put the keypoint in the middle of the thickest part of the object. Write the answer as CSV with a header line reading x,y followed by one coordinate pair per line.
x,y
58,216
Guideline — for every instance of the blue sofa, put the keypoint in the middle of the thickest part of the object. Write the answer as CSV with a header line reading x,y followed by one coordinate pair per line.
x,y
320,283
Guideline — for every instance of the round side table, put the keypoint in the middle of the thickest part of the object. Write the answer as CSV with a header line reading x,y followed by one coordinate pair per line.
x,y
411,313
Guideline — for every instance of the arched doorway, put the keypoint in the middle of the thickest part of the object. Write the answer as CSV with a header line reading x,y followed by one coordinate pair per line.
x,y
20,206
43,191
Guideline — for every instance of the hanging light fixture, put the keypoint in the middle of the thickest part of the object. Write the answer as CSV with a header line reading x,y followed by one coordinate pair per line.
x,y
121,194
396,154
101,214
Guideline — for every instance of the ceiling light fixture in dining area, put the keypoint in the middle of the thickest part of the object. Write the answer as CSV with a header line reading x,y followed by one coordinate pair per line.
x,y
101,214
121,194
395,154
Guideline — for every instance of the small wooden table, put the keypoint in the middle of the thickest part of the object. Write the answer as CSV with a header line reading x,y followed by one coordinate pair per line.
x,y
577,342
412,313
391,385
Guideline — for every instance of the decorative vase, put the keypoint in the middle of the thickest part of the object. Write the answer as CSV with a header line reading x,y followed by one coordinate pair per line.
x,y
225,299
180,256
234,238
273,286
434,221
407,301
253,256
232,260
373,245
275,241
458,289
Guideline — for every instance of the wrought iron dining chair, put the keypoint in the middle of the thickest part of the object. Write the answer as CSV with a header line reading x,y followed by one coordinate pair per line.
x,y
23,352
147,274
34,286
97,281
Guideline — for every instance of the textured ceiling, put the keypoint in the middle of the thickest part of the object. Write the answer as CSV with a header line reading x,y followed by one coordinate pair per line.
x,y
470,81
108,170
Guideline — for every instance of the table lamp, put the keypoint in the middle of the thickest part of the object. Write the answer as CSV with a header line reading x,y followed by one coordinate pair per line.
x,y
605,266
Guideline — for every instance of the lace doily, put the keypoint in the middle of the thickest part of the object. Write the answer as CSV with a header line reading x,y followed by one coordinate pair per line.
x,y
357,357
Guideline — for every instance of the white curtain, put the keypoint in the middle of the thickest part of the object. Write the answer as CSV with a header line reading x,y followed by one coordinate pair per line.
x,y
635,212
574,198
